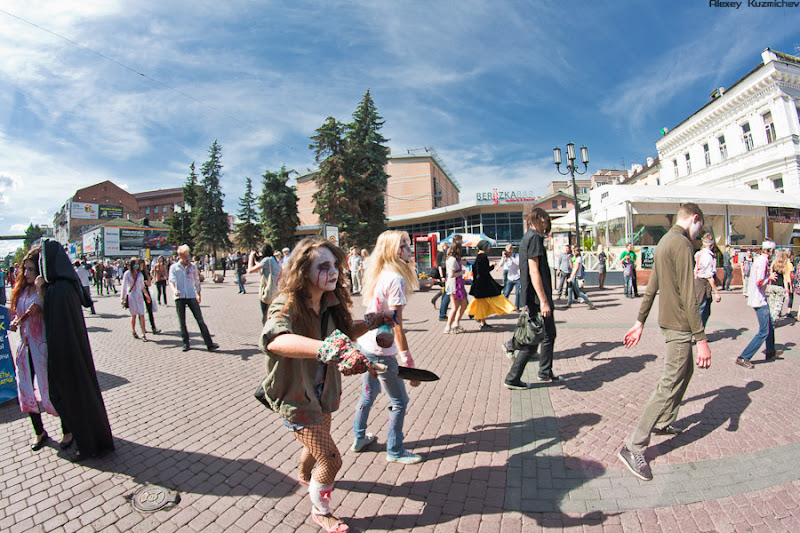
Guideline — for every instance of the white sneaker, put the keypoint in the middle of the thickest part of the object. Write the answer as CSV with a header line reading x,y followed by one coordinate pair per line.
x,y
447,330
407,458
359,444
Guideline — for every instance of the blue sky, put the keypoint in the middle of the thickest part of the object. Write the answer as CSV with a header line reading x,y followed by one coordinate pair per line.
x,y
493,86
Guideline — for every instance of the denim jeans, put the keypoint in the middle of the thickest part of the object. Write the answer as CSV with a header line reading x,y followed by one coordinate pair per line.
x,y
398,400
765,332
512,284
576,293
444,305
239,282
705,309
629,285
726,280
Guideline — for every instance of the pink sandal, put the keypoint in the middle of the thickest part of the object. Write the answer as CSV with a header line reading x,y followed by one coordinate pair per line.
x,y
301,480
338,527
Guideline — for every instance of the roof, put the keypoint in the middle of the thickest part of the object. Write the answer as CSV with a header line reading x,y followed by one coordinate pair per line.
x,y
699,195
135,223
158,192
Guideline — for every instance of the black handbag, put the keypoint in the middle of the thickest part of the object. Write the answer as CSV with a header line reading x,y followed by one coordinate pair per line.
x,y
530,329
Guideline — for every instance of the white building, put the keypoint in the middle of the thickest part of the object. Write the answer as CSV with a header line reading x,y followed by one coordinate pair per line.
x,y
747,136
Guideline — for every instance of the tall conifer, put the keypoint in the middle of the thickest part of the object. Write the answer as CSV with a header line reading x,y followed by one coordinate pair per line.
x,y
209,220
278,203
248,234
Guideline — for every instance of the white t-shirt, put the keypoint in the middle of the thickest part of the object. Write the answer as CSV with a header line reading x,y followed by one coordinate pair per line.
x,y
83,275
390,291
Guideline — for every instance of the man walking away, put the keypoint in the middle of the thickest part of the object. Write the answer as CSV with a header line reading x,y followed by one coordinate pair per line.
x,y
441,258
537,294
510,262
83,275
679,318
563,268
184,279
704,271
727,266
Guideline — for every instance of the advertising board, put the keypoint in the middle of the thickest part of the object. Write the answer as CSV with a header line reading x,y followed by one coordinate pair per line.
x,y
110,211
134,241
83,210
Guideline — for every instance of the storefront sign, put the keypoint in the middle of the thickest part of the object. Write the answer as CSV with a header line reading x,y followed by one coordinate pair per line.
x,y
84,210
784,215
497,197
8,384
331,233
110,211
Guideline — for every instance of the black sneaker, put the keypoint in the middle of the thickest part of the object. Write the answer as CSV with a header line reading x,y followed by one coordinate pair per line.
x,y
667,430
518,386
636,463
552,378
741,361
186,348
214,347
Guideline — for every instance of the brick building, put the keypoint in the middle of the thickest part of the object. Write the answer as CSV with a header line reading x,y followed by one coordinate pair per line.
x,y
159,204
91,206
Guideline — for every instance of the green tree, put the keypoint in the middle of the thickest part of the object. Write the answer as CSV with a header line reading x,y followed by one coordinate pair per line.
x,y
278,203
32,234
367,153
248,232
181,220
209,220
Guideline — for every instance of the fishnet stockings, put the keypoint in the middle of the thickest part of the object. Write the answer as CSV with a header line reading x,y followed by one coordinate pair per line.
x,y
320,450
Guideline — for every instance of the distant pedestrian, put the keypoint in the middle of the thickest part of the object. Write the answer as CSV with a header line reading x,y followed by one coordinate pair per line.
x,y
354,266
265,263
159,274
134,295
510,262
575,278
149,303
792,284
602,259
747,263
441,276
536,291
727,267
563,269
777,288
455,287
184,279
285,253
628,260
488,298
83,276
759,279
679,317
705,271
108,278
98,277
239,269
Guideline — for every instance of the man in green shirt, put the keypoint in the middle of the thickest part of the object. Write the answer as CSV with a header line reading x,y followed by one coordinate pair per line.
x,y
679,318
631,290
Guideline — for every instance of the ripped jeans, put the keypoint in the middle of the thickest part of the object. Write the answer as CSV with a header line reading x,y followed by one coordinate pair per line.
x,y
398,400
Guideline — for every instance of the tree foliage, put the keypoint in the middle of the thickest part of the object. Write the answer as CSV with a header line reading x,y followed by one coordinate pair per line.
x,y
351,179
248,232
209,220
278,204
181,230
32,234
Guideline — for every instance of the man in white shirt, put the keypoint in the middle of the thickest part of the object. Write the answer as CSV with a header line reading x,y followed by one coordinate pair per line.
x,y
354,264
184,279
285,259
510,263
83,274
704,271
757,283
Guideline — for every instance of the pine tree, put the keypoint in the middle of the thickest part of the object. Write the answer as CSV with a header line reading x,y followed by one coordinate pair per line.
x,y
367,152
32,234
248,232
180,222
209,220
278,203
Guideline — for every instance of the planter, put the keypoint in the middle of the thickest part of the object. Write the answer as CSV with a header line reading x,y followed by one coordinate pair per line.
x,y
425,284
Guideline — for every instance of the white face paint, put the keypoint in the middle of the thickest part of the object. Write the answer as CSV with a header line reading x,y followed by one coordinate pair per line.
x,y
405,250
324,273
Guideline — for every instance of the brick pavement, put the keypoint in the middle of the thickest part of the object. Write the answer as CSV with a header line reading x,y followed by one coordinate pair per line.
x,y
495,460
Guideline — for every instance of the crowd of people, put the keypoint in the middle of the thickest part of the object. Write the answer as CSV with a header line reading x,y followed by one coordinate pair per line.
x,y
311,338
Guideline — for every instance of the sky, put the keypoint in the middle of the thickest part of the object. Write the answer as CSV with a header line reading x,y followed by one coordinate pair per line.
x,y
134,92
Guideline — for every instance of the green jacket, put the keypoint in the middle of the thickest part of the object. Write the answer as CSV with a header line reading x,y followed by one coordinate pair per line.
x,y
289,385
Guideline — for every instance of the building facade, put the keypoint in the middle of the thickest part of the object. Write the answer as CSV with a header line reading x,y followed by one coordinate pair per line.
x,y
747,136
159,204
91,206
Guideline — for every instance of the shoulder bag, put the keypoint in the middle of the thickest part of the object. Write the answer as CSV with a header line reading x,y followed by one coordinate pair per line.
x,y
530,329
266,291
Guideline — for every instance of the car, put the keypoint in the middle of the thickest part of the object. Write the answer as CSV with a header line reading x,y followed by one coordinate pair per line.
x,y
154,241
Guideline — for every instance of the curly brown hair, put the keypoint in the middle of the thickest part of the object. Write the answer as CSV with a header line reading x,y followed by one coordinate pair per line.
x,y
294,285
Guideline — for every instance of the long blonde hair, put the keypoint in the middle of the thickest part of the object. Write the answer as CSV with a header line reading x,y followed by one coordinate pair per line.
x,y
386,256
779,264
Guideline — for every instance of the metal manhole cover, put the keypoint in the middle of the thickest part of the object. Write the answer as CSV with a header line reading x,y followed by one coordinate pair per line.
x,y
154,497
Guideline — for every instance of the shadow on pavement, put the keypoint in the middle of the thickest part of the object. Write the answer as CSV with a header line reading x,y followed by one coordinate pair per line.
x,y
193,472
722,334
110,381
589,349
611,370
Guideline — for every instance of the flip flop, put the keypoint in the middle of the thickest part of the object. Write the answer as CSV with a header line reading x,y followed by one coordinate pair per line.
x,y
338,527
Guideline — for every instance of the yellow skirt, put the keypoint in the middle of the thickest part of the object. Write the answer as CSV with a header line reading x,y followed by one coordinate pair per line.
x,y
480,308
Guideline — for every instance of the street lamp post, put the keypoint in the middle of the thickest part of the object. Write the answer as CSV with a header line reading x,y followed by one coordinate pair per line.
x,y
571,170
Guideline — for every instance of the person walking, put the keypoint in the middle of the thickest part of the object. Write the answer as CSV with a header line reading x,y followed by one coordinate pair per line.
x,y
98,277
184,279
536,293
776,290
727,267
488,299
441,269
747,264
133,296
240,268
602,259
386,289
159,275
30,358
108,278
679,317
83,276
563,269
354,265
705,271
628,260
150,305
575,277
791,283
270,271
455,288
510,262
307,344
285,253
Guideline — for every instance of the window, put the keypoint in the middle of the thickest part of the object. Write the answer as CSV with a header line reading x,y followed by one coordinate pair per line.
x,y
747,137
166,209
155,210
707,154
146,210
563,204
777,184
769,126
555,204
675,167
688,163
723,149
753,185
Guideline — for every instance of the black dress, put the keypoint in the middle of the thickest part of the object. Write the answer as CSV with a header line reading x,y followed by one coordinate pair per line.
x,y
483,284
74,389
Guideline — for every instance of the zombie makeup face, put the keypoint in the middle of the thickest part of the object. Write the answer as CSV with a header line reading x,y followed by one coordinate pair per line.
x,y
30,271
324,273
405,250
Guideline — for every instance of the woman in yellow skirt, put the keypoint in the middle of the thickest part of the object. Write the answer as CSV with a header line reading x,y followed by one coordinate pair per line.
x,y
489,299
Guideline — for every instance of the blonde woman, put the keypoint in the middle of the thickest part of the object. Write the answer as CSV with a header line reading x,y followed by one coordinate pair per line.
x,y
387,284
455,287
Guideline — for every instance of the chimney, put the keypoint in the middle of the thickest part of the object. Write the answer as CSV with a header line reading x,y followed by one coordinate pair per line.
x,y
650,161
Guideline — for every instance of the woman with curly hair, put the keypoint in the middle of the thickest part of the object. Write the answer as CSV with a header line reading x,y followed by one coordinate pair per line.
x,y
307,342
30,360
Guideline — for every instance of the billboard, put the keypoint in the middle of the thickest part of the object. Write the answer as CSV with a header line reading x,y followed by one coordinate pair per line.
x,y
91,242
83,210
132,241
110,211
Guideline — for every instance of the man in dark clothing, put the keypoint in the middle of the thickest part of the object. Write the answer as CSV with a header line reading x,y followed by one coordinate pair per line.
x,y
679,317
536,292
441,273
727,266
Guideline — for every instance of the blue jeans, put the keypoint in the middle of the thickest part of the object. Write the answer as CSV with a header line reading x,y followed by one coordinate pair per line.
x,y
629,285
705,310
512,284
726,280
575,293
239,281
398,400
765,332
444,305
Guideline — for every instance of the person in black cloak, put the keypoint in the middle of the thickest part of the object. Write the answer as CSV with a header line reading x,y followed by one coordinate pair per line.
x,y
74,390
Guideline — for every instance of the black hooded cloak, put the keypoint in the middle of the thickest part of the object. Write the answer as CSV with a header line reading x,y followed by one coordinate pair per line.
x,y
483,284
74,389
